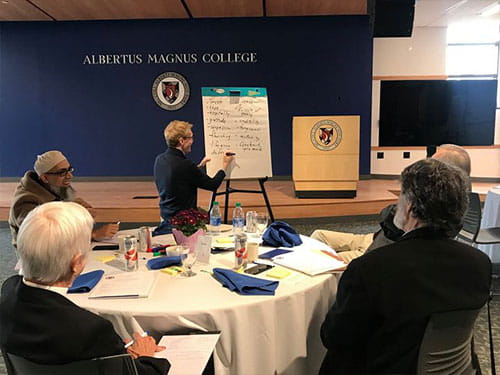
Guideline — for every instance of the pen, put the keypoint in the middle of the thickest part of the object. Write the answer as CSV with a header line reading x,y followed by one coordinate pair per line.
x,y
330,254
131,342
230,153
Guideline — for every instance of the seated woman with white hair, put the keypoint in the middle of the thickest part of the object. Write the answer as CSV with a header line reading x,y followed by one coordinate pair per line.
x,y
38,322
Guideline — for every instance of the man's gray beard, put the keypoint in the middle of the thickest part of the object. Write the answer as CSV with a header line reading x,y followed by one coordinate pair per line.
x,y
66,193
399,219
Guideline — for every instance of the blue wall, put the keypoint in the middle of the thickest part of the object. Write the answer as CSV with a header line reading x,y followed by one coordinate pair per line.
x,y
103,117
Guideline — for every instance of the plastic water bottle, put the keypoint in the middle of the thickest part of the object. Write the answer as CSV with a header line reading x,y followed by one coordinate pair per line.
x,y
238,219
215,220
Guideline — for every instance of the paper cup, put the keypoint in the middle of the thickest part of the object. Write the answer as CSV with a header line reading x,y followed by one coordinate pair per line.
x,y
252,251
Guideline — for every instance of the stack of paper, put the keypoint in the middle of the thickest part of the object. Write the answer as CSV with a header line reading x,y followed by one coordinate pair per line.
x,y
125,285
309,262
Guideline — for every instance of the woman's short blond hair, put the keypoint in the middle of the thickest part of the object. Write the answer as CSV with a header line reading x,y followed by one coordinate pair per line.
x,y
175,130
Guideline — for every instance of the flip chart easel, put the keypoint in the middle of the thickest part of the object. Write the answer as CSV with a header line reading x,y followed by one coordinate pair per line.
x,y
237,119
230,190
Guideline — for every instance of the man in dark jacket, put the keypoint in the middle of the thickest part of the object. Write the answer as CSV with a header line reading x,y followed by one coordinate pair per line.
x,y
350,245
178,178
38,322
385,298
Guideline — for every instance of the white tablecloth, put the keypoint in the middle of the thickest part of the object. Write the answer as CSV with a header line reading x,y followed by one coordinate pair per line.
x,y
260,334
491,218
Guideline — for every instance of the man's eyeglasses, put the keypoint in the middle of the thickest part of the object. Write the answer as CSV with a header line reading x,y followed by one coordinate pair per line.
x,y
62,172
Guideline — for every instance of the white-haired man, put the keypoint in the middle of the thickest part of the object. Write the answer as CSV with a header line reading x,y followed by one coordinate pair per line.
x,y
38,322
50,181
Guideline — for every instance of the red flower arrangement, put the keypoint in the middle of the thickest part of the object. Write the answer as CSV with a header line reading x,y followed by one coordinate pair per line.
x,y
189,221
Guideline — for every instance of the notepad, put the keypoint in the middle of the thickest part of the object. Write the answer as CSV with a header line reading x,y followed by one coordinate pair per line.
x,y
309,262
278,273
125,285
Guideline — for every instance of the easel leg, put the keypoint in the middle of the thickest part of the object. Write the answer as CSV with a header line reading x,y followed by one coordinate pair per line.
x,y
266,199
212,200
226,201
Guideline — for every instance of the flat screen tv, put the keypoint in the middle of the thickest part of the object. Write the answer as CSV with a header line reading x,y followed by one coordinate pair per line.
x,y
423,113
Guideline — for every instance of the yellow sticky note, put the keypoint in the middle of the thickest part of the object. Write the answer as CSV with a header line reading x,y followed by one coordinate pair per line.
x,y
169,271
105,258
278,273
224,240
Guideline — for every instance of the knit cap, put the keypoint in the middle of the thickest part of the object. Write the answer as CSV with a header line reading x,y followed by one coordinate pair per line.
x,y
47,161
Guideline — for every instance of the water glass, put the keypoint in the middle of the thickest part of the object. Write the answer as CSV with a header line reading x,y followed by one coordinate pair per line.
x,y
188,257
251,225
261,220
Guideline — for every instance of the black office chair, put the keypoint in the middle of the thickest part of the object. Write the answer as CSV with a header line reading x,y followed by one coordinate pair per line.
x,y
471,231
121,364
472,220
446,347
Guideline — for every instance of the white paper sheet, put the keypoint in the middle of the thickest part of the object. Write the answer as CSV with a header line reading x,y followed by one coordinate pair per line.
x,y
125,285
187,354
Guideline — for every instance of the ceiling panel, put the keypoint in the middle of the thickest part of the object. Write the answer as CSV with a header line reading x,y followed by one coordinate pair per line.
x,y
225,8
315,7
430,13
20,10
112,9
440,13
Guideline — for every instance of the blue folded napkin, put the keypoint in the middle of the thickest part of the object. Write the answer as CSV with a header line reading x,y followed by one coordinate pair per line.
x,y
162,262
279,234
86,282
243,284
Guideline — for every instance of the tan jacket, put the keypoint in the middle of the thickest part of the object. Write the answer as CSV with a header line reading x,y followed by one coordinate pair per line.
x,y
29,194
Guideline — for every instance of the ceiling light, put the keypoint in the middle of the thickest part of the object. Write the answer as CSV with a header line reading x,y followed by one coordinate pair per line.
x,y
490,10
455,6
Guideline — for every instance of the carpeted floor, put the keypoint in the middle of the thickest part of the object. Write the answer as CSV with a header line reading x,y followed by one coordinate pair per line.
x,y
359,224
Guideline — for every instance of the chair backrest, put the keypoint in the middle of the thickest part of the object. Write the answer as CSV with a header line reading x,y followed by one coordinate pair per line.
x,y
121,364
472,220
446,347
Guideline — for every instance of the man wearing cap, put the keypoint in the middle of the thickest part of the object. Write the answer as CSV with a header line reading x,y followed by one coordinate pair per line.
x,y
50,181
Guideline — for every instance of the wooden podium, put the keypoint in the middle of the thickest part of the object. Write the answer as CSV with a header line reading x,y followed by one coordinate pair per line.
x,y
325,156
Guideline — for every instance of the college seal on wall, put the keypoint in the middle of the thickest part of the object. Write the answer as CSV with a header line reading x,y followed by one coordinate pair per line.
x,y
326,135
170,91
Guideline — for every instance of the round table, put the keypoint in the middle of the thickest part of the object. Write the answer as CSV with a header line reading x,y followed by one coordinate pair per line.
x,y
491,218
259,334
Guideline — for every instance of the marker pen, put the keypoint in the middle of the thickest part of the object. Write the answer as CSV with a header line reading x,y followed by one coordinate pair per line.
x,y
131,342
